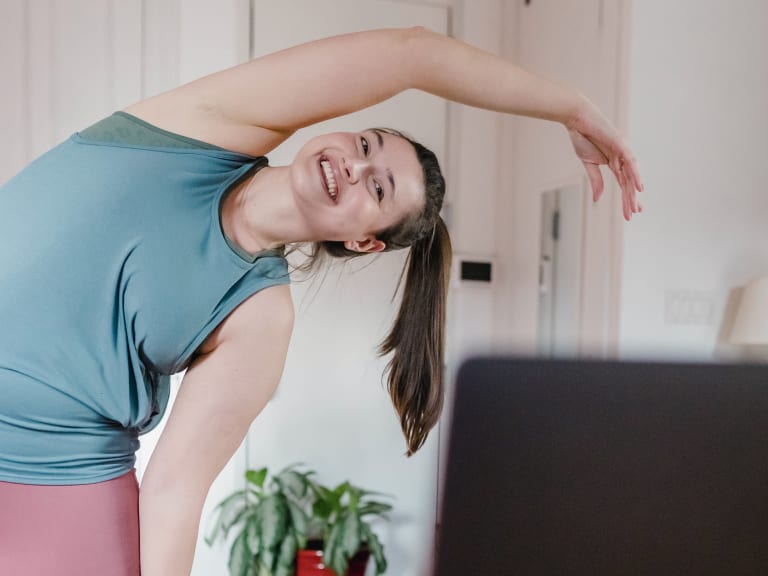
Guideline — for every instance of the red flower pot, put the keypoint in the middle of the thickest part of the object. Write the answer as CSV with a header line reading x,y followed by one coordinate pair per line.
x,y
310,563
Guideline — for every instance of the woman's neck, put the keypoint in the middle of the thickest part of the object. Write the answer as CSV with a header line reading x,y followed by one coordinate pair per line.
x,y
259,213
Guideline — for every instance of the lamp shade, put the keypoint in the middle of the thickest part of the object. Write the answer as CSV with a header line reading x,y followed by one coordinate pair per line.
x,y
750,328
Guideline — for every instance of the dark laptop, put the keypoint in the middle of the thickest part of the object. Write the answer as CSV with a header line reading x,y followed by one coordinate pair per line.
x,y
592,468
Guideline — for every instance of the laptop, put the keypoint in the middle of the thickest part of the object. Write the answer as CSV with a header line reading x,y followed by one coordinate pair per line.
x,y
592,468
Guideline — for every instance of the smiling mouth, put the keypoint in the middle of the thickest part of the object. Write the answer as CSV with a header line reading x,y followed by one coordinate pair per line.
x,y
329,179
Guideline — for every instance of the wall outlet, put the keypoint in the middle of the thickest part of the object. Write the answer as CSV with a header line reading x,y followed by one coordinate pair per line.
x,y
690,308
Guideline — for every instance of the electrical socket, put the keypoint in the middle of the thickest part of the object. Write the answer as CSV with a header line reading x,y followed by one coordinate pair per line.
x,y
690,308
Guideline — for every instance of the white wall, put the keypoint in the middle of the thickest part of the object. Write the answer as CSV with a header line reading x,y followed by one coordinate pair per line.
x,y
698,120
472,176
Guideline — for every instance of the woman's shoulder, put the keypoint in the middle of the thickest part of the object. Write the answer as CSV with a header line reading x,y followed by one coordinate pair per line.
x,y
169,112
125,129
266,316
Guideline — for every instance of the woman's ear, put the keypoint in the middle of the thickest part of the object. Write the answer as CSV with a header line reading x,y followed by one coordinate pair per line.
x,y
369,244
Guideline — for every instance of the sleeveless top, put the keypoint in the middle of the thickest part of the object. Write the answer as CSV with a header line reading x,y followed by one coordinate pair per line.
x,y
114,268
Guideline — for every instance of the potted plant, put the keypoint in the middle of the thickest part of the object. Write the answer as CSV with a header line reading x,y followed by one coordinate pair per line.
x,y
289,524
339,526
272,521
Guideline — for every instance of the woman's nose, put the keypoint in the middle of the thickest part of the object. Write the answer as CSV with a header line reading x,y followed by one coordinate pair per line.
x,y
356,169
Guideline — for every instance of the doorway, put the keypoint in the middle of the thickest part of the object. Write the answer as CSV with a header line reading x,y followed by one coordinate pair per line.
x,y
561,251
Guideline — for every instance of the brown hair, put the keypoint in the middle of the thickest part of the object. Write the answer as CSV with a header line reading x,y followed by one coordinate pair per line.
x,y
415,378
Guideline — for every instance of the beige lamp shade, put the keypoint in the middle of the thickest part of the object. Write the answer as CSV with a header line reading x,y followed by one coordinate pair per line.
x,y
750,328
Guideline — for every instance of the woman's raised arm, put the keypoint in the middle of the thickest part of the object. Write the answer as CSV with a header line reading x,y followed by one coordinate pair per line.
x,y
254,106
311,82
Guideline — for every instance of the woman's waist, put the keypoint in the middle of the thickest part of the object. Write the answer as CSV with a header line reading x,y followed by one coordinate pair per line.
x,y
51,433
34,450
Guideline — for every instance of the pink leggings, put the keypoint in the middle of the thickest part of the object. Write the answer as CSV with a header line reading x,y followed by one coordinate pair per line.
x,y
83,530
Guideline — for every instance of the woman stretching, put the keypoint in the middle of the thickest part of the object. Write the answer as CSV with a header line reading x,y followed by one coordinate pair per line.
x,y
152,242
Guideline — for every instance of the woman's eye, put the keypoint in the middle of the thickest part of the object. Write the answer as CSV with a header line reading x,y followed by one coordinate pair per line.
x,y
379,190
364,145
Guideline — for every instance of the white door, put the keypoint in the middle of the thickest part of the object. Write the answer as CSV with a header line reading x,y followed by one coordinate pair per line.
x,y
332,410
560,276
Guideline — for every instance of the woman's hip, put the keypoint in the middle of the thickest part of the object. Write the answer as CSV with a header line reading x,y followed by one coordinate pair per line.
x,y
79,530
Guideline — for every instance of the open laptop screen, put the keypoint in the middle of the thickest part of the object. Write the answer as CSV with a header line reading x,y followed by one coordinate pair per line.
x,y
581,467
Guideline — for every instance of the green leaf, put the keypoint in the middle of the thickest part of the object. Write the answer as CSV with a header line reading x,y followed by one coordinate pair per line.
x,y
225,515
367,493
339,562
341,489
328,502
287,555
256,477
323,508
355,494
350,535
294,483
331,542
241,561
267,561
343,542
320,491
242,518
375,508
299,522
253,534
376,548
273,515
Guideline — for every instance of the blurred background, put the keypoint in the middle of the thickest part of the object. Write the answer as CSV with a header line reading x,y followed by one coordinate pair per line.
x,y
686,81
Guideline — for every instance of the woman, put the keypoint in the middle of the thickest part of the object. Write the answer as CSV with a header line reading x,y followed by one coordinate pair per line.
x,y
157,247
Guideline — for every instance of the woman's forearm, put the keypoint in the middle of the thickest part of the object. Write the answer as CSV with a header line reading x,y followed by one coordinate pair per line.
x,y
168,521
462,73
446,67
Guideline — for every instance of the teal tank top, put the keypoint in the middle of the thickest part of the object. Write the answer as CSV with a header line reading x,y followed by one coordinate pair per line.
x,y
114,268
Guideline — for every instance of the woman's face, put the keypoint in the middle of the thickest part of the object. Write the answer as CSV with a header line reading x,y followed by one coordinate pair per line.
x,y
352,185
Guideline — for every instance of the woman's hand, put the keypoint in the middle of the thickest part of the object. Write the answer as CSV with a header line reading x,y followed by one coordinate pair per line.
x,y
597,142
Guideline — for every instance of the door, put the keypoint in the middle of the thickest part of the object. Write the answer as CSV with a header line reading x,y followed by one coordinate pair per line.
x,y
560,270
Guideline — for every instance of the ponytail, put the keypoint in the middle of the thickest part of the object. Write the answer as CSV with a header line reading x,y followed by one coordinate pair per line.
x,y
417,338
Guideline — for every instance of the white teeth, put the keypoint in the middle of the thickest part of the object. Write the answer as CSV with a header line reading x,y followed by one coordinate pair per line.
x,y
329,178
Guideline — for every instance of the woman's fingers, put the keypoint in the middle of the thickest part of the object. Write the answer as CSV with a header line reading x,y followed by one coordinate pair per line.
x,y
595,180
630,205
627,204
628,176
635,184
627,190
610,150
633,170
